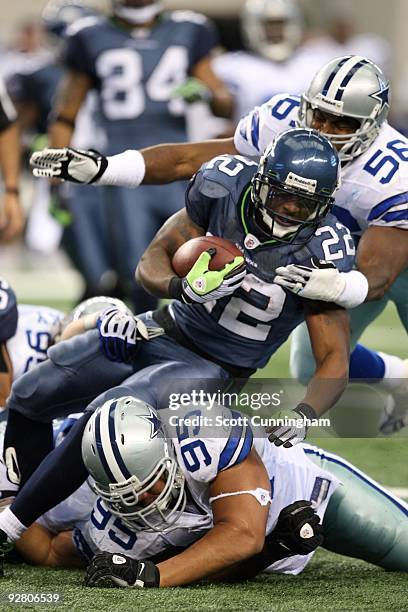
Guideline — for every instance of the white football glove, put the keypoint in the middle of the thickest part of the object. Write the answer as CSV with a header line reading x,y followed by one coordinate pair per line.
x,y
69,164
321,281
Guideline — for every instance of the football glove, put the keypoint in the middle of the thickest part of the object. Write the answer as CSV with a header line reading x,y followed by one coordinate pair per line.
x,y
289,435
192,90
119,334
69,164
321,281
113,570
203,285
298,530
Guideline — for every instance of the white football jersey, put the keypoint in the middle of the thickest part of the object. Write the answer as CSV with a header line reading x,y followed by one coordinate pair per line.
x,y
292,477
374,189
37,326
253,80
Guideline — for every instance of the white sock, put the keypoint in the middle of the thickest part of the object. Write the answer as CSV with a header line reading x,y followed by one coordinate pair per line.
x,y
11,525
395,371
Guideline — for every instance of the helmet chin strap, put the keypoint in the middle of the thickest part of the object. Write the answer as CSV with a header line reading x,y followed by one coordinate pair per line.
x,y
138,16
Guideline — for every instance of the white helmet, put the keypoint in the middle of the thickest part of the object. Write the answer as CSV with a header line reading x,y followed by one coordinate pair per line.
x,y
272,28
350,86
126,453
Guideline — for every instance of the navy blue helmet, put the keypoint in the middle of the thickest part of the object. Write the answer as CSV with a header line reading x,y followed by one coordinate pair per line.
x,y
292,190
8,312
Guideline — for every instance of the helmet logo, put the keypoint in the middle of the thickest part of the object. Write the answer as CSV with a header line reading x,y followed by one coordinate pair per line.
x,y
294,180
382,94
154,422
328,104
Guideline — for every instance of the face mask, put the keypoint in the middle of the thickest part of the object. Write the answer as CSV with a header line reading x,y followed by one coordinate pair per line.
x,y
138,16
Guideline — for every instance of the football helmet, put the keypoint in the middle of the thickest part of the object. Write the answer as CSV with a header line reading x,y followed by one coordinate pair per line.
x,y
58,15
137,12
293,188
89,306
349,86
126,453
8,312
272,28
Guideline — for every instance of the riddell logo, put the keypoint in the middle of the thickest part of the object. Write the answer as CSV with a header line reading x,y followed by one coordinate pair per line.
x,y
336,105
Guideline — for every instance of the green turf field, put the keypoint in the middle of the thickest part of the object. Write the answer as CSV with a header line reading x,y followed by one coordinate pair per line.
x,y
330,582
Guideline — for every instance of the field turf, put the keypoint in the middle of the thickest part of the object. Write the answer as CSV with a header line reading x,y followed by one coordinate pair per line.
x,y
330,582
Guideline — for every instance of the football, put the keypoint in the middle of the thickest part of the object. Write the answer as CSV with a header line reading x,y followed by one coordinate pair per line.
x,y
186,256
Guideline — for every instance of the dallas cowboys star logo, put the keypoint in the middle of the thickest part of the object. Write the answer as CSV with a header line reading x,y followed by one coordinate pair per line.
x,y
154,422
382,94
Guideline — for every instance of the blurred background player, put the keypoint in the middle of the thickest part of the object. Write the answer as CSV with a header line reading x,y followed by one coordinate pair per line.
x,y
134,58
276,57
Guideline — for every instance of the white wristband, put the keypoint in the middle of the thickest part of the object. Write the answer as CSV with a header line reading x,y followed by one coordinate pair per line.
x,y
126,169
355,290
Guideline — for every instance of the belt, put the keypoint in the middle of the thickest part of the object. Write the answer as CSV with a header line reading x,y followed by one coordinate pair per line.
x,y
163,317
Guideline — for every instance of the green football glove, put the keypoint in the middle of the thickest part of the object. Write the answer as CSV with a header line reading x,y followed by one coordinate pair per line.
x,y
192,90
204,285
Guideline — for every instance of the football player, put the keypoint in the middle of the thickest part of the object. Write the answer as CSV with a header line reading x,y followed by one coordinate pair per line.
x,y
201,494
275,59
222,324
134,59
348,100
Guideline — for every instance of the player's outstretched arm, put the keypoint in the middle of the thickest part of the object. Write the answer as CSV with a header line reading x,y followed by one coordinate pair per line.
x,y
151,166
239,527
329,331
41,547
154,271
382,255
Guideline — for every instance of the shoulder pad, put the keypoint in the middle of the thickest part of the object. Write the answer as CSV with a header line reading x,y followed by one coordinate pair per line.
x,y
226,174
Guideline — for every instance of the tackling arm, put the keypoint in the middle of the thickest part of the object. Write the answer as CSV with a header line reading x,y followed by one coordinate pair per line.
x,y
41,547
382,255
329,332
238,532
154,271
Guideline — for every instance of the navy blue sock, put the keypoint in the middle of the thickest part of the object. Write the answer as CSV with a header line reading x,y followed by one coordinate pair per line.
x,y
366,364
55,479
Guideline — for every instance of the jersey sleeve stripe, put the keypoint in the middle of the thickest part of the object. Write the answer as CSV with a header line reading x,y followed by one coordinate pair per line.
x,y
384,206
247,445
231,446
401,215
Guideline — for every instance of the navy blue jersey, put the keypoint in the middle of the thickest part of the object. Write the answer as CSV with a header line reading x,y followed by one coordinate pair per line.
x,y
245,329
37,87
8,312
136,71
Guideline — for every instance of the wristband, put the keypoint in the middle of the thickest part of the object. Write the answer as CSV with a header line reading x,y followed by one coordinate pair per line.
x,y
175,289
12,190
306,411
355,290
126,169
